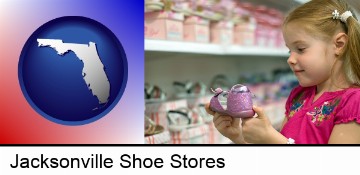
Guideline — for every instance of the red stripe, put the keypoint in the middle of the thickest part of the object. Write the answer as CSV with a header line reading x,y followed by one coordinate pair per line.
x,y
179,137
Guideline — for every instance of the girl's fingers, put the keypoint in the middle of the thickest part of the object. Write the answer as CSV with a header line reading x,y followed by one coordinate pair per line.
x,y
218,118
208,110
222,121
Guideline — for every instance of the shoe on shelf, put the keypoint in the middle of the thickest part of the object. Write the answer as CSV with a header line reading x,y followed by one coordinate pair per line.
x,y
221,81
183,118
154,93
151,128
189,89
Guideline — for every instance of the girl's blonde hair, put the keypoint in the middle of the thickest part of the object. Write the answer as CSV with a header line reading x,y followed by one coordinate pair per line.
x,y
316,15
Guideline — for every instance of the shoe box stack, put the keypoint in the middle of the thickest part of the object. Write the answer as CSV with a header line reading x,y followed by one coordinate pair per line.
x,y
161,22
224,22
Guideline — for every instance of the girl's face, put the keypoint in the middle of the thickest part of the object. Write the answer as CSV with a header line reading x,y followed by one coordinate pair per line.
x,y
311,59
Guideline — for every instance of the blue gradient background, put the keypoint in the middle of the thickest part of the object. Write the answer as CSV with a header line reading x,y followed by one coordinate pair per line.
x,y
19,123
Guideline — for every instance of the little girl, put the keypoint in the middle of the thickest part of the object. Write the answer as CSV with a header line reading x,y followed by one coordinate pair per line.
x,y
323,37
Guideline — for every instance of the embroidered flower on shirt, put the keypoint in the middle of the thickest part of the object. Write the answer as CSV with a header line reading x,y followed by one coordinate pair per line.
x,y
323,113
296,104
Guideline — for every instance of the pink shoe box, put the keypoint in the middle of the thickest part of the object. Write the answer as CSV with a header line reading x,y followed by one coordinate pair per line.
x,y
280,42
165,25
275,19
244,33
196,29
161,138
244,25
263,26
273,33
195,135
262,33
158,111
221,32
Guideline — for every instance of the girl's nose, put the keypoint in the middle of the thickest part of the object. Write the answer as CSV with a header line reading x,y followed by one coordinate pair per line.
x,y
291,60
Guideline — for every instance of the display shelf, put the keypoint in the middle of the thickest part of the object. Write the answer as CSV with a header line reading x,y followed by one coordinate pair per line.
x,y
215,49
255,50
182,46
301,1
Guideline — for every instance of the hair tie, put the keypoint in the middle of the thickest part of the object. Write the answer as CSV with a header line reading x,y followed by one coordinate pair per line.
x,y
343,17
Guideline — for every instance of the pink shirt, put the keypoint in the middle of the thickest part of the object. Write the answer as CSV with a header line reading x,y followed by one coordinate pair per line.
x,y
312,122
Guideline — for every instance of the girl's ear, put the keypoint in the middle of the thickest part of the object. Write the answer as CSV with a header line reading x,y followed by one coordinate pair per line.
x,y
340,41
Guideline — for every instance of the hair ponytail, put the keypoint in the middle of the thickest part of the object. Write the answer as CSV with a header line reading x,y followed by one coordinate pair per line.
x,y
352,51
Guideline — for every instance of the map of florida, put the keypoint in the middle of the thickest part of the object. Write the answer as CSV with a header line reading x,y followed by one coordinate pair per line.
x,y
93,71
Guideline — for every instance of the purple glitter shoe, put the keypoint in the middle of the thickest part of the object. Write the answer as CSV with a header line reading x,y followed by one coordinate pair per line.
x,y
238,102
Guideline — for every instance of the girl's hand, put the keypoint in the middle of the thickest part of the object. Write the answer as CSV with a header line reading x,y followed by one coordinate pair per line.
x,y
228,126
257,129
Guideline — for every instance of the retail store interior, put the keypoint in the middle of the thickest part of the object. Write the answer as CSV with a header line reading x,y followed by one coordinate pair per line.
x,y
192,47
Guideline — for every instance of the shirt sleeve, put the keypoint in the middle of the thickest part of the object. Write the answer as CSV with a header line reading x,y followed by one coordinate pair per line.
x,y
349,109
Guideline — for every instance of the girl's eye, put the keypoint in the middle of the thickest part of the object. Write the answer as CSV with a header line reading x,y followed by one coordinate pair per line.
x,y
301,49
